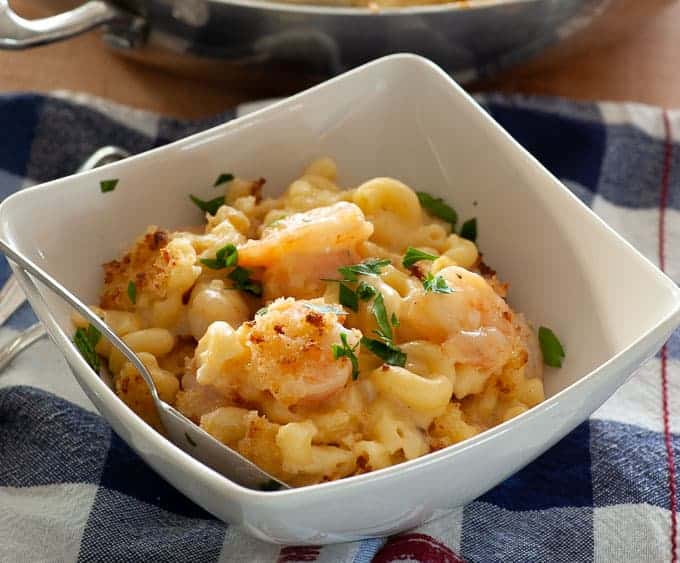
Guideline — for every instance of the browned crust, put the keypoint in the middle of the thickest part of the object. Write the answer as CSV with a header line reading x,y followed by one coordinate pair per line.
x,y
145,264
489,274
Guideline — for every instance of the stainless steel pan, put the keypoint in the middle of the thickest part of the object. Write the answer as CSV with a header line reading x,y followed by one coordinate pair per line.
x,y
470,39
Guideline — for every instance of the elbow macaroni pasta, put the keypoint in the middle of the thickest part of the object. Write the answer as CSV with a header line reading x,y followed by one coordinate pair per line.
x,y
262,372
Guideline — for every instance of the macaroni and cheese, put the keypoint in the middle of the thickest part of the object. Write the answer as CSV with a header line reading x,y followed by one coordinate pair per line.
x,y
324,333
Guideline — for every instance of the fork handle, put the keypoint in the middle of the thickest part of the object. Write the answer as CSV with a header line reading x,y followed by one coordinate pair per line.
x,y
20,343
11,298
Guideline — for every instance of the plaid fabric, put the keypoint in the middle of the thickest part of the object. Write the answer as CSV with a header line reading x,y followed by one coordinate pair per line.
x,y
70,489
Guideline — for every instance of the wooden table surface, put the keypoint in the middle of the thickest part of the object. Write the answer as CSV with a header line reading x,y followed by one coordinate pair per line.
x,y
631,53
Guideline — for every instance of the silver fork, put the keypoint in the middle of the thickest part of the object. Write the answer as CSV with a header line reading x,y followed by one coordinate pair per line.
x,y
11,295
186,435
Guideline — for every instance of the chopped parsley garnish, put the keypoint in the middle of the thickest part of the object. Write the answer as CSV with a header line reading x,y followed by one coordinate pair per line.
x,y
86,341
469,229
437,207
226,257
384,347
190,439
350,274
380,313
388,353
108,185
414,255
209,206
348,298
242,281
552,350
262,311
394,320
132,292
323,308
366,292
223,179
347,351
436,284
370,267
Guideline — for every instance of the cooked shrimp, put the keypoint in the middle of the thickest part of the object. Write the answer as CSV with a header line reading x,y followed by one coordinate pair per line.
x,y
301,249
291,354
473,323
486,348
302,276
318,231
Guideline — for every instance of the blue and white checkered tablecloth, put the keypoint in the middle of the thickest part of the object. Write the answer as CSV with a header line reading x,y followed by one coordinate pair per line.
x,y
70,489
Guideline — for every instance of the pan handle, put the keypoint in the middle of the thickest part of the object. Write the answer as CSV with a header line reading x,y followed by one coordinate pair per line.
x,y
19,33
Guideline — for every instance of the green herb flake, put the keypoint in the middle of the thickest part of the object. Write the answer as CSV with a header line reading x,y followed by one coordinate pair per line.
x,y
347,351
469,229
93,335
108,185
384,347
223,179
86,340
436,284
437,207
262,311
226,257
370,267
208,206
190,440
553,352
324,308
241,278
132,292
348,298
394,320
380,313
388,353
366,292
414,255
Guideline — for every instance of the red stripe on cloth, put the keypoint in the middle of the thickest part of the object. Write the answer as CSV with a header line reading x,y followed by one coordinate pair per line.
x,y
416,547
663,204
299,553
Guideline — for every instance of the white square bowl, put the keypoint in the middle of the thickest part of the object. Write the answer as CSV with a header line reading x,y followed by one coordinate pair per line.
x,y
400,116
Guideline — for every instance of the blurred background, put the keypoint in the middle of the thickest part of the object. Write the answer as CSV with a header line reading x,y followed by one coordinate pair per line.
x,y
610,50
